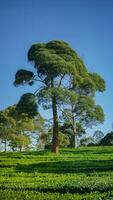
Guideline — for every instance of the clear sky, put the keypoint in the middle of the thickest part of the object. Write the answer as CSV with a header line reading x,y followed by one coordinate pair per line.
x,y
87,25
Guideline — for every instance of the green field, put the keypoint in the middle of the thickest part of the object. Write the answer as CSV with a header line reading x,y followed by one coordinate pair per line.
x,y
84,173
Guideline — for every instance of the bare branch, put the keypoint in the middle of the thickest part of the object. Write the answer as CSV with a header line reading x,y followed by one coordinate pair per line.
x,y
38,89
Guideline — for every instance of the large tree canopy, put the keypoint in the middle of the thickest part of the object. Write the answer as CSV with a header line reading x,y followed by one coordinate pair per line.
x,y
61,76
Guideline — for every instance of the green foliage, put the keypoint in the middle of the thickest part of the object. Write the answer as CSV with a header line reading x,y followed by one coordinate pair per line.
x,y
99,82
22,141
99,114
19,141
45,138
63,140
22,121
87,112
67,130
88,84
98,135
107,140
85,141
27,105
14,126
53,58
55,62
44,96
23,77
63,79
7,126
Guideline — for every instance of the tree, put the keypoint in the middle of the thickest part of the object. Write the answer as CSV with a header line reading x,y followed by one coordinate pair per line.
x,y
28,106
59,70
82,114
46,139
107,140
63,140
7,127
19,141
98,135
67,129
15,127
85,141
24,124
85,110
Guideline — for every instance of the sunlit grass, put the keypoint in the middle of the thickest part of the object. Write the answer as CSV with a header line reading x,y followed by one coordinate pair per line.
x,y
82,173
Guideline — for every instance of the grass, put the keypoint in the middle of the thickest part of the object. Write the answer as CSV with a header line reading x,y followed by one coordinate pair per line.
x,y
82,174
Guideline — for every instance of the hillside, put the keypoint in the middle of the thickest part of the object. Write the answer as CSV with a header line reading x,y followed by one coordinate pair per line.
x,y
83,173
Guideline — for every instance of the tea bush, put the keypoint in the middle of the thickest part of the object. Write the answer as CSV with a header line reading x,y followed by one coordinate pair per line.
x,y
82,173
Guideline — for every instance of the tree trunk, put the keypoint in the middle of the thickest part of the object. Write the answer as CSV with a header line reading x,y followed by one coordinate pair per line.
x,y
74,134
55,142
20,149
74,129
5,145
75,142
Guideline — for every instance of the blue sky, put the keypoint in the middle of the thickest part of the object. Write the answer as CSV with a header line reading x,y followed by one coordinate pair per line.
x,y
87,25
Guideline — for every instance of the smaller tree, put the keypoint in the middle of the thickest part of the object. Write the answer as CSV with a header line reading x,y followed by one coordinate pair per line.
x,y
107,140
7,127
44,140
63,140
15,126
83,112
67,129
98,135
19,142
85,141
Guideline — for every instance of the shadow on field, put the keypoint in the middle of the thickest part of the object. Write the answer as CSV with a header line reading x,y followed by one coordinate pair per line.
x,y
84,166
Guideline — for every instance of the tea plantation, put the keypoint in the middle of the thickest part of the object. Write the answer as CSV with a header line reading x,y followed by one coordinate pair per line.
x,y
82,173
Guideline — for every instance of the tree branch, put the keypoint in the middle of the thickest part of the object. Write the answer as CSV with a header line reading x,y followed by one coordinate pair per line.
x,y
38,89
61,80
